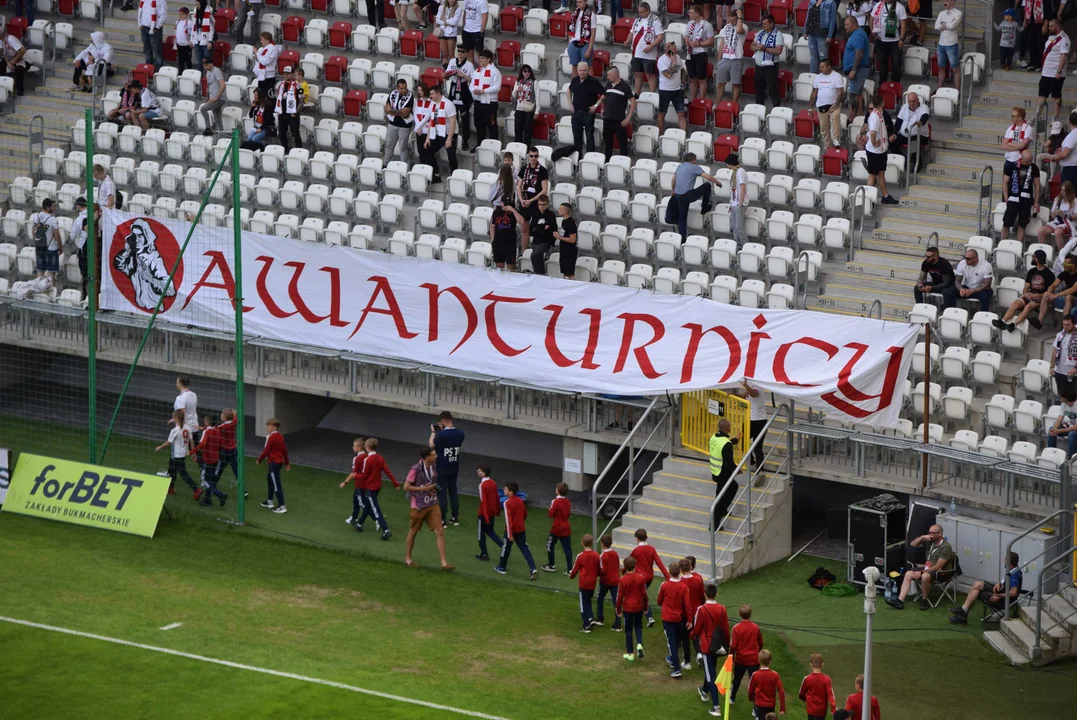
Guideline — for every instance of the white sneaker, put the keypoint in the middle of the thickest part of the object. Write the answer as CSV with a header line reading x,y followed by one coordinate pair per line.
x,y
716,712
280,509
349,520
267,504
686,666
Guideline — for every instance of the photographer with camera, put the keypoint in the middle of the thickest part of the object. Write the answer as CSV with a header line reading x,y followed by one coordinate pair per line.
x,y
446,439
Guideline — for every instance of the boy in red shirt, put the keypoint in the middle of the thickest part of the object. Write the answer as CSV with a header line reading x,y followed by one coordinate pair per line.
x,y
855,702
817,691
710,630
765,690
745,642
631,603
673,599
607,581
646,557
588,566
358,497
489,508
374,466
277,454
560,531
515,531
209,449
226,432
696,598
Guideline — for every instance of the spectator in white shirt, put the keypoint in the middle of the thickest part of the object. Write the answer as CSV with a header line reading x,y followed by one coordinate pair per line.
x,y
187,401
670,88
1055,54
1016,138
888,27
84,62
106,189
14,63
730,57
827,96
767,48
698,38
149,107
878,142
948,23
476,17
645,37
911,127
449,19
974,277
45,233
152,15
1066,157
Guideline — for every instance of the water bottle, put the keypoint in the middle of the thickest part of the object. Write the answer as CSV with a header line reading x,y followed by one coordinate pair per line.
x,y
886,588
953,507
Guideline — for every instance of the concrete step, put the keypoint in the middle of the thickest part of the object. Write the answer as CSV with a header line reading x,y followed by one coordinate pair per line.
x,y
972,160
952,171
1056,636
959,222
1001,113
671,549
844,305
699,501
1017,632
1061,610
940,181
942,203
873,283
860,273
896,230
1004,647
909,247
896,294
691,532
987,136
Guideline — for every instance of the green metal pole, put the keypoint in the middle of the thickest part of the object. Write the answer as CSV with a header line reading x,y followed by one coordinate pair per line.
x,y
237,271
91,292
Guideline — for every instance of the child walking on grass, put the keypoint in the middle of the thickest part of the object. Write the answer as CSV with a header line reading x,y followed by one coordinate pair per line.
x,y
632,602
765,690
646,558
608,580
817,691
209,450
515,531
560,531
356,475
489,509
179,438
374,466
276,452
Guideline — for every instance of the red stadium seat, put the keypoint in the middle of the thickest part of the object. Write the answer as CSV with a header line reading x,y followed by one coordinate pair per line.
x,y
433,76
335,69
432,48
749,38
16,26
724,145
559,24
319,5
801,13
600,62
410,43
836,52
389,10
508,82
287,58
354,102
726,115
339,34
1056,185
785,82
511,19
782,10
508,52
168,50
621,28
272,3
67,7
544,125
222,21
674,7
699,112
834,161
805,124
891,92
144,73
292,28
747,80
753,11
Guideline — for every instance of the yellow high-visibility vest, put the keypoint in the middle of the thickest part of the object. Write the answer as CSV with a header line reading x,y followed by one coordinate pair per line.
x,y
717,445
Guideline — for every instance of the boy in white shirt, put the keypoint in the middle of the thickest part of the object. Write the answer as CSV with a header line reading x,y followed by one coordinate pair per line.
x,y
179,439
45,234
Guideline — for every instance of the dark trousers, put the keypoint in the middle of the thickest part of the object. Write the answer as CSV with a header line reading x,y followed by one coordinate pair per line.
x,y
755,429
80,71
984,296
463,123
538,257
600,609
290,124
448,495
889,55
358,503
241,22
766,83
1062,380
725,500
375,13
583,131
372,508
566,545
1005,55
183,57
612,129
762,712
83,269
1034,44
649,614
486,530
506,549
428,155
19,73
587,614
485,122
817,717
949,296
738,675
273,483
673,641
177,467
710,674
685,200
209,482
633,626
686,643
152,49
524,126
227,458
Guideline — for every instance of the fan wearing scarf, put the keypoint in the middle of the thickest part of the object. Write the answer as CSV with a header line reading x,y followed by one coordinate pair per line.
x,y
151,21
645,38
289,102
1023,185
767,46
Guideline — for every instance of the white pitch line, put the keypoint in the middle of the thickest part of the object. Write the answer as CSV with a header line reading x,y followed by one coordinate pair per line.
x,y
173,626
252,668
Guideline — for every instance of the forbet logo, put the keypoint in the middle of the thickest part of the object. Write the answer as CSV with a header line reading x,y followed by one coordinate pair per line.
x,y
109,492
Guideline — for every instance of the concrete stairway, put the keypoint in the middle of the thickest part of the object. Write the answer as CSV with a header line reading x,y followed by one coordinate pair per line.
x,y
1015,638
675,511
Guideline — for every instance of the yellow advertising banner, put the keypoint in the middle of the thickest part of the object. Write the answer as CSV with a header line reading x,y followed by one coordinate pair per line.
x,y
84,494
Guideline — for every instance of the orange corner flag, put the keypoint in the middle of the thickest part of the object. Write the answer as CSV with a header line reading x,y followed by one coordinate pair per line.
x,y
724,681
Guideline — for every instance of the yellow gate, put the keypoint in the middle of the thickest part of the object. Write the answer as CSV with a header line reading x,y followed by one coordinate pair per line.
x,y
700,412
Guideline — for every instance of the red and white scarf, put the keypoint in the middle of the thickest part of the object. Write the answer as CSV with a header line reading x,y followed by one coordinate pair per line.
x,y
441,119
482,80
205,29
289,96
1034,10
422,112
153,11
584,18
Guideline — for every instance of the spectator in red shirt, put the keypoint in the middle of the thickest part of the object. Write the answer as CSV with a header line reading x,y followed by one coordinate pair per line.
x,y
646,557
673,599
765,690
489,508
358,497
374,466
631,603
855,702
277,454
588,567
515,531
745,642
560,531
696,597
710,629
607,582
209,449
817,691
227,433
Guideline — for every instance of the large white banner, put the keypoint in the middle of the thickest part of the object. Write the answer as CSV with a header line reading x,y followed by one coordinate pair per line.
x,y
568,335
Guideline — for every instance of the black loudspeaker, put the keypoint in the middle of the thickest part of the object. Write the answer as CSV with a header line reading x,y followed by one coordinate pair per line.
x,y
876,536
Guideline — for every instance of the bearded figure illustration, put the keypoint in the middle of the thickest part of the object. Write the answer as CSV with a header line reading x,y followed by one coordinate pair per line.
x,y
141,261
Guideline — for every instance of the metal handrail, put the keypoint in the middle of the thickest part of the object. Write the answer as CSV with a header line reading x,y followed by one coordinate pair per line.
x,y
1028,561
989,33
785,408
35,136
856,231
934,236
969,60
1036,129
910,168
1037,651
48,41
876,303
99,85
594,488
802,257
985,194
634,482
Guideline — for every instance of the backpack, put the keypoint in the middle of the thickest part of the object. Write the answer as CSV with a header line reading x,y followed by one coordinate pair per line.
x,y
719,640
821,578
41,236
119,199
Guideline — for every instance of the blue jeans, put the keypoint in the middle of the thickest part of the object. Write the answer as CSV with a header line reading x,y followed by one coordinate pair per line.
x,y
1071,440
616,11
201,52
817,48
586,607
984,296
604,590
486,530
576,55
566,545
650,615
152,47
521,540
256,136
372,508
26,8
947,57
673,642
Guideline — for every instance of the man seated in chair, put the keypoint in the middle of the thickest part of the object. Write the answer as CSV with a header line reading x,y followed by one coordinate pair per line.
x,y
996,600
939,567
